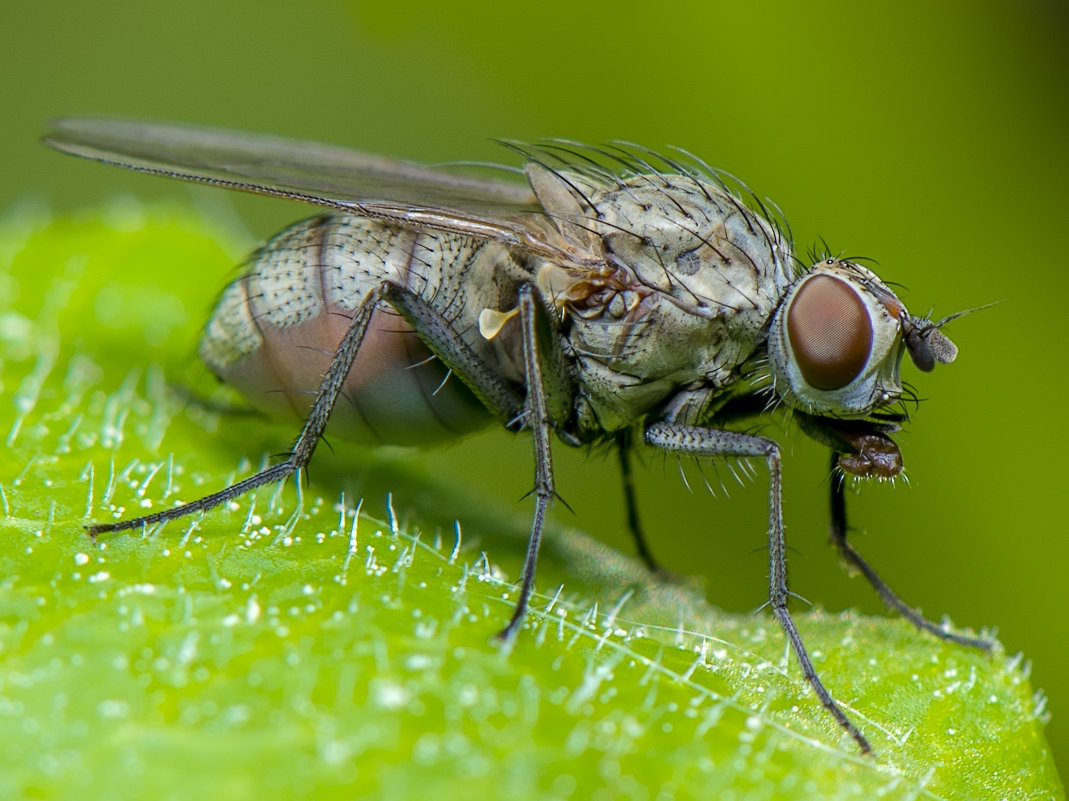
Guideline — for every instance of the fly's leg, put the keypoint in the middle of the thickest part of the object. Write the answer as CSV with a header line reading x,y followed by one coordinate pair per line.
x,y
303,448
548,398
634,524
838,529
705,442
436,331
547,389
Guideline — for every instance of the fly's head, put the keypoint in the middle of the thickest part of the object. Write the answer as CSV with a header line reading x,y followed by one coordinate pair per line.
x,y
838,338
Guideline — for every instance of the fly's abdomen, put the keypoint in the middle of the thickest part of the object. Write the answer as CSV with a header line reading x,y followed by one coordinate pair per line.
x,y
275,330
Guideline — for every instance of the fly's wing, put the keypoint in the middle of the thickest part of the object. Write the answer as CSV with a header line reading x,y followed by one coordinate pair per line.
x,y
325,175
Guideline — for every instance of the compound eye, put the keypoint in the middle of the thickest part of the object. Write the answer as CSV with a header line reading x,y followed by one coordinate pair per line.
x,y
830,332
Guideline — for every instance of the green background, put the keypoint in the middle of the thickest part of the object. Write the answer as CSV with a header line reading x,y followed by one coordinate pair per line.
x,y
928,136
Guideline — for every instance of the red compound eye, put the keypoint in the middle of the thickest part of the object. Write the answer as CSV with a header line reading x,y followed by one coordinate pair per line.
x,y
830,332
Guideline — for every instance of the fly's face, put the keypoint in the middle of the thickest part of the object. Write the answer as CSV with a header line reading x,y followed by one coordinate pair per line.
x,y
838,338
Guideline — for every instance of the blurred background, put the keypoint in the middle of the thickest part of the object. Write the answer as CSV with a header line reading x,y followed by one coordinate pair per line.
x,y
930,137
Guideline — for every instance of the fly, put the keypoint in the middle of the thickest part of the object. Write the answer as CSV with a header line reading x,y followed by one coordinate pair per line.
x,y
619,293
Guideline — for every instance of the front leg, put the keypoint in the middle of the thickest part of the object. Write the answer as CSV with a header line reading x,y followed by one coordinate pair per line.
x,y
707,443
838,528
864,448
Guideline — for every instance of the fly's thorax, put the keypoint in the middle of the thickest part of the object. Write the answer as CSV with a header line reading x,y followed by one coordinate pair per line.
x,y
275,329
836,342
677,284
685,238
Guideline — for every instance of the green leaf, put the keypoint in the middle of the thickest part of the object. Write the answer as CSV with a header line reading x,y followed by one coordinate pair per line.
x,y
287,648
